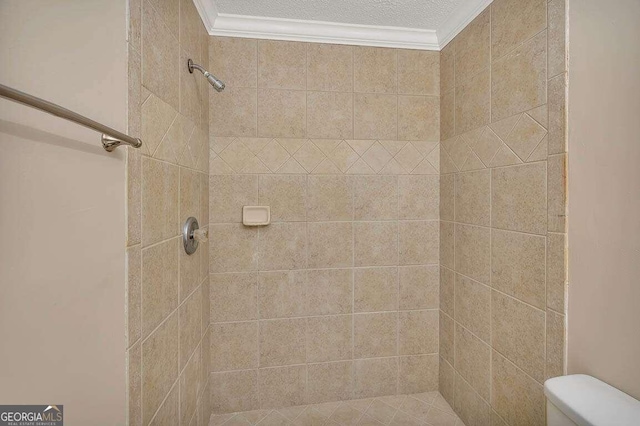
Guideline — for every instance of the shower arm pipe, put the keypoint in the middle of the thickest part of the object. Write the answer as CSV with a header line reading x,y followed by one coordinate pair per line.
x,y
193,66
111,138
214,81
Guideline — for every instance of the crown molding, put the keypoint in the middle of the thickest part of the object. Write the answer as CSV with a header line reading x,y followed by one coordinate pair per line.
x,y
323,32
208,12
229,25
459,19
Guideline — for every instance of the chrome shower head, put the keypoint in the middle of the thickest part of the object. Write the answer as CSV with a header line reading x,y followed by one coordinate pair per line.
x,y
212,79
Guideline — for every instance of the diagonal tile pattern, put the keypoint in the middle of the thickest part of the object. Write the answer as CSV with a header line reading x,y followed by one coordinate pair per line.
x,y
511,141
423,409
300,156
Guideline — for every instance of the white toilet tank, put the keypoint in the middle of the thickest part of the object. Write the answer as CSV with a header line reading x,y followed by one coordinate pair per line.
x,y
586,401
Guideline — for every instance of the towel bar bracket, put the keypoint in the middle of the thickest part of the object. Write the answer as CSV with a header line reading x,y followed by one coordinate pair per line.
x,y
110,143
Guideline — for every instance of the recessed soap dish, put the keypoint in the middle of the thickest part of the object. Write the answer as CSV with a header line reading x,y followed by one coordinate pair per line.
x,y
256,215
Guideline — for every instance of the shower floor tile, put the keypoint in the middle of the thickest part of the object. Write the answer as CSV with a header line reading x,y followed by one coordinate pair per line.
x,y
423,409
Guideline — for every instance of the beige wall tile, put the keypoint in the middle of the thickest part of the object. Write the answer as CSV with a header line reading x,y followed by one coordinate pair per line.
x,y
557,55
190,195
190,317
447,67
473,197
419,287
191,386
517,331
282,386
557,87
234,391
418,118
473,252
329,338
134,384
556,271
473,361
518,266
375,377
375,116
376,158
375,197
232,248
473,306
375,243
156,117
330,198
447,244
556,193
233,297
418,242
468,404
513,22
472,48
446,337
329,115
555,344
525,136
286,195
419,197
273,156
375,335
134,197
447,115
134,294
330,244
206,355
169,12
445,381
376,289
418,332
234,346
190,94
418,72
518,80
375,69
135,24
159,56
234,112
159,366
282,64
329,291
281,294
447,291
472,103
282,342
417,374
159,283
282,246
281,113
159,201
234,60
168,413
518,199
330,382
329,67
508,384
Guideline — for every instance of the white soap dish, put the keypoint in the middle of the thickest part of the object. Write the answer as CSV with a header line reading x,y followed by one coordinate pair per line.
x,y
256,215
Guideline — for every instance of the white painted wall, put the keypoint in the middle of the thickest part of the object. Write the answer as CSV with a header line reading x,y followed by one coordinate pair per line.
x,y
604,192
62,210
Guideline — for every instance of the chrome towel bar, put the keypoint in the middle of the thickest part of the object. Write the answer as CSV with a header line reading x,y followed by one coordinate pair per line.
x,y
111,138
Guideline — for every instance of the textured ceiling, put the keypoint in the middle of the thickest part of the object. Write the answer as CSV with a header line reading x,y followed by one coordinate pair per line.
x,y
425,14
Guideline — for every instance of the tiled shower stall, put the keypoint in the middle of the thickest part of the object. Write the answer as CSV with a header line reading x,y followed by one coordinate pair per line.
x,y
417,241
